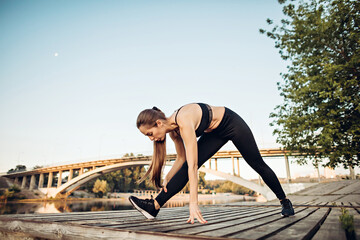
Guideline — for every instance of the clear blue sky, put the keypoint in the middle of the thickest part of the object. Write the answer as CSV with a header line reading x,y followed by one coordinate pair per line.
x,y
75,74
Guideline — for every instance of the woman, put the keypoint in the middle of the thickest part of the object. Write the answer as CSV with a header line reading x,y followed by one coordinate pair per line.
x,y
215,126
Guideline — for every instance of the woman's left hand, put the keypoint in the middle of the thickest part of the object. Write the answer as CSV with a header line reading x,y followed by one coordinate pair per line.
x,y
195,213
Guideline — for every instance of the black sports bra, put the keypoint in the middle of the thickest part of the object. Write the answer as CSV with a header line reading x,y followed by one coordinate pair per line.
x,y
206,118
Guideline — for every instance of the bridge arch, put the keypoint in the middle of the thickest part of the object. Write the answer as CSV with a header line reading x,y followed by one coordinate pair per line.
x,y
67,188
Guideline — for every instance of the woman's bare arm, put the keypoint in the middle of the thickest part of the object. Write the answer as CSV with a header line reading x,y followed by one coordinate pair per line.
x,y
189,138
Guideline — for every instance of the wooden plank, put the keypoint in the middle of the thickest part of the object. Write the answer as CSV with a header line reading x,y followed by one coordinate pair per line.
x,y
349,189
222,224
304,228
242,226
144,224
355,204
84,217
47,230
69,215
96,215
299,198
326,188
166,226
349,198
331,228
269,228
330,198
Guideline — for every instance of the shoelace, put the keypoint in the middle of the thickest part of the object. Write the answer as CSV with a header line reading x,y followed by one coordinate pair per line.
x,y
148,201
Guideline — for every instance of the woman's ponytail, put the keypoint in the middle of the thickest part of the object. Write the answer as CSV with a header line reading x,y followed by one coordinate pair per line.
x,y
149,117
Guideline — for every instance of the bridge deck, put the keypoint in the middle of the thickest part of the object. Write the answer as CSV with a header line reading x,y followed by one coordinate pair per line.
x,y
317,217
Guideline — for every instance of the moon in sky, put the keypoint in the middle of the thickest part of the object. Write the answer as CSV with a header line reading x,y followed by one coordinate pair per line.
x,y
56,54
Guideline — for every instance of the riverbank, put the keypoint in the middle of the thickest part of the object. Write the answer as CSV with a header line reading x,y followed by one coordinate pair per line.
x,y
122,196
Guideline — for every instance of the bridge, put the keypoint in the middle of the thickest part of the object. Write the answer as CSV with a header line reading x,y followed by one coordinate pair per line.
x,y
60,181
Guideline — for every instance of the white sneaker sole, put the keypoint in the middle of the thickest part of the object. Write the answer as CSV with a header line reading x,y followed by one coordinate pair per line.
x,y
143,212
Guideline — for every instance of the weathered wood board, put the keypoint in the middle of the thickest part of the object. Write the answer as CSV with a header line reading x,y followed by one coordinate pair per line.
x,y
317,217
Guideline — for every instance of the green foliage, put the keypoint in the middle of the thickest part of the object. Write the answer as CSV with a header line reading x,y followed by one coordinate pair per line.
x,y
222,186
347,220
37,167
202,182
128,155
100,187
11,193
123,180
15,188
320,115
18,168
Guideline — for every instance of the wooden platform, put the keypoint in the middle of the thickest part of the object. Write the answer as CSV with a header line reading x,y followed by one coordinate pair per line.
x,y
317,217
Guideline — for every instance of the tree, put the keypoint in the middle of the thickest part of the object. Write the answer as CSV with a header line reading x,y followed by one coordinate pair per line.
x,y
202,181
122,180
320,115
128,155
37,167
18,168
100,187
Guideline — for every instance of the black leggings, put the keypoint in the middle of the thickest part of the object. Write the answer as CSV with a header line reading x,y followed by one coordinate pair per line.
x,y
232,127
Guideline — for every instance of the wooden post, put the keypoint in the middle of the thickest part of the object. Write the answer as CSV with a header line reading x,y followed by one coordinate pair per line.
x,y
41,180
238,166
288,177
23,184
32,182
59,179
233,165
71,173
216,164
50,179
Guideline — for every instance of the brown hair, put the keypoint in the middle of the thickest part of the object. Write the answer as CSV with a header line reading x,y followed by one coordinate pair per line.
x,y
149,117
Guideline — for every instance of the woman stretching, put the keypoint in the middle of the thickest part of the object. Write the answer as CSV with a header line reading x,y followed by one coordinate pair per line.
x,y
215,126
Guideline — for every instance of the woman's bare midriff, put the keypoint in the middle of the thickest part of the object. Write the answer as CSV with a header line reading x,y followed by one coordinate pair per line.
x,y
218,114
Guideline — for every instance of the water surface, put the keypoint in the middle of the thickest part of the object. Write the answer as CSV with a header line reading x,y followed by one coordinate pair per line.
x,y
64,206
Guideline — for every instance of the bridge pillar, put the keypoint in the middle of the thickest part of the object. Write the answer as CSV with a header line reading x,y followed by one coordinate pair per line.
x,y
216,164
288,177
71,172
23,184
59,179
238,166
50,179
210,163
233,165
32,182
16,181
81,171
41,180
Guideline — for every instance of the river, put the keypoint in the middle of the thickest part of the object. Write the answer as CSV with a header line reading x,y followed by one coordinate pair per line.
x,y
83,205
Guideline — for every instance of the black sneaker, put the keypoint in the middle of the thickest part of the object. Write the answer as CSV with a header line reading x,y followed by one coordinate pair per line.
x,y
145,206
287,208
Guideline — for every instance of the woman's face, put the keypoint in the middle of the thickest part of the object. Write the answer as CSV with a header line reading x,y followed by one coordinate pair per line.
x,y
156,133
